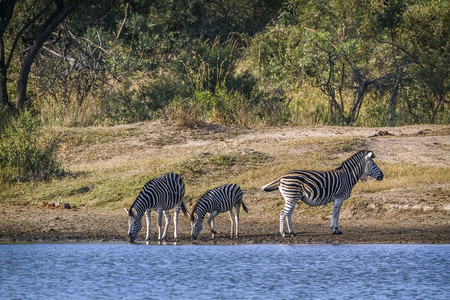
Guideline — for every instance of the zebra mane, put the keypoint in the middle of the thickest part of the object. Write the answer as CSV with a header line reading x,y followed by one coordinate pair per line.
x,y
195,206
131,212
355,158
197,203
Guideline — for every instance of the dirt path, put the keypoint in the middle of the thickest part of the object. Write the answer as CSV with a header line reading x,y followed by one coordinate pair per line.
x,y
395,215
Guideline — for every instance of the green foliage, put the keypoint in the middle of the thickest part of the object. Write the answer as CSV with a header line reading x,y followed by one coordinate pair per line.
x,y
214,92
27,152
376,114
364,56
131,104
341,62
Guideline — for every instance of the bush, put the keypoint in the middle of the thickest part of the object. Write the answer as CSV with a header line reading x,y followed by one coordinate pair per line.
x,y
27,152
184,113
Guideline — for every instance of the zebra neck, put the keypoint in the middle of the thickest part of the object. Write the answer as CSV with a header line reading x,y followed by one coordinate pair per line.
x,y
200,215
201,210
141,204
139,210
146,199
353,172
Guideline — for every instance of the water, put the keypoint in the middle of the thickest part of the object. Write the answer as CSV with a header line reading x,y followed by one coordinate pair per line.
x,y
122,271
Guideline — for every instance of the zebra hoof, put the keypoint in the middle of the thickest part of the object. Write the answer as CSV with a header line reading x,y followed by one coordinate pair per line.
x,y
336,232
292,234
213,232
283,234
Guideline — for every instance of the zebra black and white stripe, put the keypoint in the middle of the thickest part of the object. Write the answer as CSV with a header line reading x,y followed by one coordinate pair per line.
x,y
319,188
218,200
160,194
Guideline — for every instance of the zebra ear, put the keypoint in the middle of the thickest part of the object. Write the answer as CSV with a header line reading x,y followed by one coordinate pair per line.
x,y
370,155
127,211
134,211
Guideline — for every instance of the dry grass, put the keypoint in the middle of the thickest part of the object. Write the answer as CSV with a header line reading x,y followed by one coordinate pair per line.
x,y
108,166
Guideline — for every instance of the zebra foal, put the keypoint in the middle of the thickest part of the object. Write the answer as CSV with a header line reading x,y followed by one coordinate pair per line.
x,y
159,194
319,188
221,199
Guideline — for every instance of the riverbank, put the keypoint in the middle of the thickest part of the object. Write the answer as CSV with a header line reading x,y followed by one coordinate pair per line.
x,y
31,224
107,166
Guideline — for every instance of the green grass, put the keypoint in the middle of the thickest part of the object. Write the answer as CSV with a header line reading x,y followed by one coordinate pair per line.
x,y
101,177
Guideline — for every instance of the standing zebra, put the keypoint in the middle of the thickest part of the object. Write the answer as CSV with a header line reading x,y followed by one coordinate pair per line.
x,y
159,194
319,188
215,201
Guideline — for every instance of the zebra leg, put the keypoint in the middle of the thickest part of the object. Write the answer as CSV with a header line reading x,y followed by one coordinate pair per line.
x,y
175,221
334,225
211,223
160,212
282,218
286,214
147,218
237,219
289,224
166,225
230,212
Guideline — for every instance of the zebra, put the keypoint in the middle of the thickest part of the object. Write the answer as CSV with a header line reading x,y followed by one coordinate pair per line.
x,y
215,201
319,188
159,194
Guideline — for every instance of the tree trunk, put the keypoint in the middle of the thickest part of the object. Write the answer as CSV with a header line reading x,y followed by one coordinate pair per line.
x,y
6,11
3,87
46,30
394,95
3,76
357,102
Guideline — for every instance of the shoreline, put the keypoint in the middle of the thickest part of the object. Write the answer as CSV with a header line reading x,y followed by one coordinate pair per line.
x,y
41,225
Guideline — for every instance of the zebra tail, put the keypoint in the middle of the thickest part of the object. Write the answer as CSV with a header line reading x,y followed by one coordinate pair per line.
x,y
244,206
271,186
183,208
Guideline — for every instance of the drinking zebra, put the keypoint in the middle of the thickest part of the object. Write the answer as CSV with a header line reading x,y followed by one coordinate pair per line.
x,y
215,201
159,194
319,188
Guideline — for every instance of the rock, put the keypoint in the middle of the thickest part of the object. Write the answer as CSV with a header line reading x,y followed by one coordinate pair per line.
x,y
382,133
371,206
428,207
63,205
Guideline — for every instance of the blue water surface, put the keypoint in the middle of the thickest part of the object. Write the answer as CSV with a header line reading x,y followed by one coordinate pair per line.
x,y
122,271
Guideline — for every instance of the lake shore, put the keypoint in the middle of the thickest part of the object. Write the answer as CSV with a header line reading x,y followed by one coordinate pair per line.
x,y
35,224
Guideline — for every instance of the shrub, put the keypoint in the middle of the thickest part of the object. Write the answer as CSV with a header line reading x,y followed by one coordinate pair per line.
x,y
184,113
27,152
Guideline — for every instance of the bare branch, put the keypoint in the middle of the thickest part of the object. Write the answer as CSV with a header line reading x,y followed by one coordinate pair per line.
x,y
24,27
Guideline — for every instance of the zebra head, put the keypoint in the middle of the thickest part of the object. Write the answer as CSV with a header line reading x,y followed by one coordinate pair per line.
x,y
196,225
370,167
134,223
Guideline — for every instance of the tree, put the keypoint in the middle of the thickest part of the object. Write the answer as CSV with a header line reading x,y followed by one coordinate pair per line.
x,y
53,13
6,12
62,10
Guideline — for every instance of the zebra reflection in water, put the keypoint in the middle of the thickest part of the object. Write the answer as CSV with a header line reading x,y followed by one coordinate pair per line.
x,y
319,188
